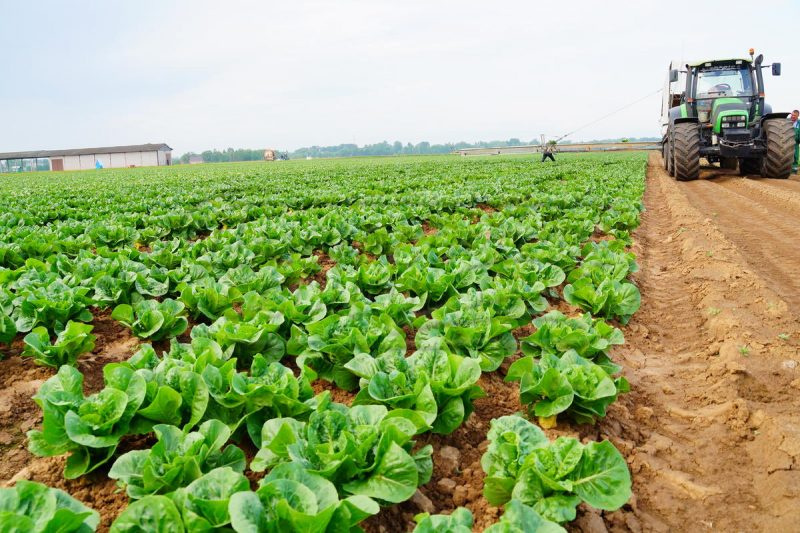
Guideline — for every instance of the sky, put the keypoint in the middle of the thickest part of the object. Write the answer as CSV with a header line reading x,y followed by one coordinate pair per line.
x,y
200,75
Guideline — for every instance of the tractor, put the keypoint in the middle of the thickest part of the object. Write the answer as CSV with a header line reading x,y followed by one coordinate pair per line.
x,y
716,110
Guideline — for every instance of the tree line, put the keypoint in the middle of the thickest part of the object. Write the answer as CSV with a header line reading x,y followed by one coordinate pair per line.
x,y
378,149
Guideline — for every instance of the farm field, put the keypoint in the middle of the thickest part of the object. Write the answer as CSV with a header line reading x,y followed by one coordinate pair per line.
x,y
360,341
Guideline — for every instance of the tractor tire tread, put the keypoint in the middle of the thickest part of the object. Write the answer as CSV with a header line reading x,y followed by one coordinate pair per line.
x,y
777,162
686,147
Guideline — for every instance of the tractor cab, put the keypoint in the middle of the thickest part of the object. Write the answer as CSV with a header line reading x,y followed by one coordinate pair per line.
x,y
715,110
725,94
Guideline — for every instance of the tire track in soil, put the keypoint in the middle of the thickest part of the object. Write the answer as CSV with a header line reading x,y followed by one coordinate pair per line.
x,y
790,184
762,227
710,430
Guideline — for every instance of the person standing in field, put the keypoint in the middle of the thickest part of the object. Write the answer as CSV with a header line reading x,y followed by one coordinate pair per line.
x,y
795,118
547,152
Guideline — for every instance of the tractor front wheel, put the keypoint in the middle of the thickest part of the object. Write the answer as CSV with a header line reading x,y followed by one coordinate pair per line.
x,y
777,162
686,151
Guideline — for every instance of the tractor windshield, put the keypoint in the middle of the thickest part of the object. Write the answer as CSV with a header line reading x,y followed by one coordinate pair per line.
x,y
721,80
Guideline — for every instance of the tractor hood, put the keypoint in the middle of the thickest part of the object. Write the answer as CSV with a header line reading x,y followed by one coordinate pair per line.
x,y
729,107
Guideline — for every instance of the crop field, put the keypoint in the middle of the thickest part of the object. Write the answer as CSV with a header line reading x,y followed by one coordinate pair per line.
x,y
439,343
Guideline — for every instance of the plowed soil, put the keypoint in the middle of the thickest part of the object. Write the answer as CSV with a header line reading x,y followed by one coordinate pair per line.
x,y
711,427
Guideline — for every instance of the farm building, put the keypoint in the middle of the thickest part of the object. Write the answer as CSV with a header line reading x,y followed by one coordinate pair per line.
x,y
137,155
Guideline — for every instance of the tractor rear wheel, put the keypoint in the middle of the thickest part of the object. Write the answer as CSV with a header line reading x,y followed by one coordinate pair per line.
x,y
686,151
727,163
670,159
664,147
777,162
749,166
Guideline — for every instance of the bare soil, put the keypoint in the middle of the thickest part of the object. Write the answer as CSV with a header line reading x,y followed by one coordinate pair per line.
x,y
710,429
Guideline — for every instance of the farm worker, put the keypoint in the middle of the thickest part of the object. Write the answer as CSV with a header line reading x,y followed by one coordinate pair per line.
x,y
795,118
98,165
547,152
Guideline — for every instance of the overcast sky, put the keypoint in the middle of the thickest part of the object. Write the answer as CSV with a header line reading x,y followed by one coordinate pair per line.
x,y
200,75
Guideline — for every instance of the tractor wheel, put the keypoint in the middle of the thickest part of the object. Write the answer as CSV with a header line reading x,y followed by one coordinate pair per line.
x,y
749,166
686,151
728,163
670,159
777,162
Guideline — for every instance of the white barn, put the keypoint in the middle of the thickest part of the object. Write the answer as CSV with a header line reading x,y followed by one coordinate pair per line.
x,y
137,155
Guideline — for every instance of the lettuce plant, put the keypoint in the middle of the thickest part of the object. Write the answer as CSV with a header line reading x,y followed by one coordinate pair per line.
x,y
609,298
252,332
208,298
174,392
531,271
89,428
590,337
176,460
151,513
52,306
470,326
517,518
433,388
569,384
459,521
604,261
289,499
303,306
553,477
244,279
31,506
76,339
293,499
8,330
204,502
374,277
399,307
151,319
267,391
197,382
363,450
330,343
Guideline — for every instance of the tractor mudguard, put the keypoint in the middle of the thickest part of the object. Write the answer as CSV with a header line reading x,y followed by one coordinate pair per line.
x,y
773,116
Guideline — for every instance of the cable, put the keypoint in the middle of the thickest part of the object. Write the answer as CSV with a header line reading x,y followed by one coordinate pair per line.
x,y
608,115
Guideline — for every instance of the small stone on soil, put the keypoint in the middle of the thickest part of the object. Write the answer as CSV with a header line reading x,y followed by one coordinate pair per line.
x,y
450,458
424,503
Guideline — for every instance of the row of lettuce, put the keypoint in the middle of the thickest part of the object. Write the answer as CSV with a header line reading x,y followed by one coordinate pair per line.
x,y
188,482
462,289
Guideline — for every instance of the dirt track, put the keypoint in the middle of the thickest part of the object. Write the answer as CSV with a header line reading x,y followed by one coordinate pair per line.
x,y
712,425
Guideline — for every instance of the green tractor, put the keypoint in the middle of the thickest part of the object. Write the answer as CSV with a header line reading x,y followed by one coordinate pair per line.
x,y
716,110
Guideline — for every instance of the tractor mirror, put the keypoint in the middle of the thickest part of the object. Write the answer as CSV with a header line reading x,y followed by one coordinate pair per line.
x,y
776,69
673,75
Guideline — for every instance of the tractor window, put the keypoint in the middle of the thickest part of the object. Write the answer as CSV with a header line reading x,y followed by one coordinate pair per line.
x,y
722,81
